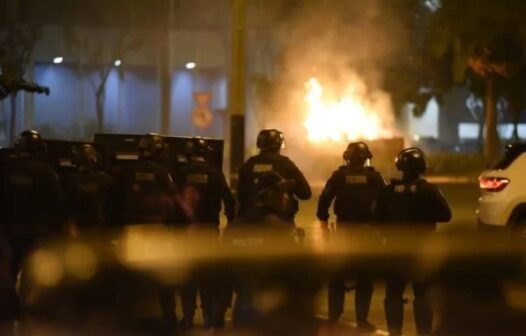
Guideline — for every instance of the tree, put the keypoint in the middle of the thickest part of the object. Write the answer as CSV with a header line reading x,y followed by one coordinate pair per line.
x,y
483,40
17,42
99,49
99,33
498,61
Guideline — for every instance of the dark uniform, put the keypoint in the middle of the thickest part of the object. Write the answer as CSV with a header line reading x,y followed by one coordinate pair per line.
x,y
354,189
268,188
31,199
201,187
87,192
415,205
269,160
143,191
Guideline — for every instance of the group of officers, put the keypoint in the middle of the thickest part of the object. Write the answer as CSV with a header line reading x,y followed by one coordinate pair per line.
x,y
36,205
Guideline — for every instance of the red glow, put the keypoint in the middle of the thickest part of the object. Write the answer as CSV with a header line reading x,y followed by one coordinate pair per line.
x,y
493,183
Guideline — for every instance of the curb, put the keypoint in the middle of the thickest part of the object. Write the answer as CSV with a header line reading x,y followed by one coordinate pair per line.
x,y
451,179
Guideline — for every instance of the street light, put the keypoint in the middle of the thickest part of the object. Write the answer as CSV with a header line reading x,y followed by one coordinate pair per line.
x,y
58,60
190,65
117,62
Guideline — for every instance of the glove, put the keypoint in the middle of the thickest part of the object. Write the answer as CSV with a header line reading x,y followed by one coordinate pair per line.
x,y
325,231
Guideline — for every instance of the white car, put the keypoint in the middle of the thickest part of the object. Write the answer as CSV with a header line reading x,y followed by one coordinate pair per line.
x,y
503,188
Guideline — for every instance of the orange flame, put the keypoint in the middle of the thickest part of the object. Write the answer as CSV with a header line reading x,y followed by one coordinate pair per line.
x,y
348,118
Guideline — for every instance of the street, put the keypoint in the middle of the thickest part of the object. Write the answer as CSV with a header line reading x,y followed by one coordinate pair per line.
x,y
463,201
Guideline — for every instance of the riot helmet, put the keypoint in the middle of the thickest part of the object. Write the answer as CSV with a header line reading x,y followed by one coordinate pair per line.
x,y
30,141
85,156
198,146
412,160
357,153
151,146
270,139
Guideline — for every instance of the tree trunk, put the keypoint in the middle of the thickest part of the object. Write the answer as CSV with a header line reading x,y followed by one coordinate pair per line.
x,y
515,108
12,120
480,137
99,106
491,138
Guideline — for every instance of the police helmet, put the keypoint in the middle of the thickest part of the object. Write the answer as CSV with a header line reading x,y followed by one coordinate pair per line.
x,y
151,145
412,160
30,141
357,153
85,156
270,139
198,146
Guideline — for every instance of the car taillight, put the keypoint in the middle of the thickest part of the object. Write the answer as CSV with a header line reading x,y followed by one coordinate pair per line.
x,y
493,183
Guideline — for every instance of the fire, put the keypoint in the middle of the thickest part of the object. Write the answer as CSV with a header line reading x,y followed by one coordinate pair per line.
x,y
349,117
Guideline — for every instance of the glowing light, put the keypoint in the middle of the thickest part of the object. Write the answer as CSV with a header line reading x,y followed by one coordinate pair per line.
x,y
46,268
347,118
190,65
117,63
58,60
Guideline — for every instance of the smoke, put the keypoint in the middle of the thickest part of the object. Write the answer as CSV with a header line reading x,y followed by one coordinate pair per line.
x,y
343,44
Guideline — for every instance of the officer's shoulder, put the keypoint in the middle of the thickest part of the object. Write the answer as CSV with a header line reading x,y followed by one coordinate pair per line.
x,y
394,182
425,184
281,156
371,169
252,159
341,170
286,159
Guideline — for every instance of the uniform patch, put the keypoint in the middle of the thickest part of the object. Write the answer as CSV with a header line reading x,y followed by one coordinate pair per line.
x,y
262,168
197,178
399,189
356,179
21,180
145,177
65,162
88,187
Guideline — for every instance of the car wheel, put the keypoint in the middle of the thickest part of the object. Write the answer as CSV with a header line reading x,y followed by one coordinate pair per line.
x,y
519,227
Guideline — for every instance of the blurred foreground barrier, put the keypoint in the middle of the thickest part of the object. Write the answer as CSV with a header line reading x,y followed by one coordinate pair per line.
x,y
94,285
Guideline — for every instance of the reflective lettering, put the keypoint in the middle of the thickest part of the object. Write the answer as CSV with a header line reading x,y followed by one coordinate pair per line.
x,y
145,177
356,179
197,178
262,168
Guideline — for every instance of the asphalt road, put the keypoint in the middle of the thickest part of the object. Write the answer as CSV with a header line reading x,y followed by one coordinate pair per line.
x,y
463,202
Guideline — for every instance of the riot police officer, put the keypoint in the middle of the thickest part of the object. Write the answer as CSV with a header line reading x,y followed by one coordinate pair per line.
x,y
201,188
87,191
269,187
143,191
31,206
354,188
410,205
270,161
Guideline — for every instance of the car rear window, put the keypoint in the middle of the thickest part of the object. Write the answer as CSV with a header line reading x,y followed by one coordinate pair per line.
x,y
511,153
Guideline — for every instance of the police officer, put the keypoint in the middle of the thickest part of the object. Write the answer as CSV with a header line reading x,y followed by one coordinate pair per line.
x,y
270,161
31,198
268,188
410,205
87,191
201,188
144,191
354,188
